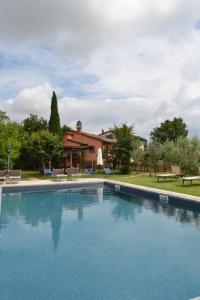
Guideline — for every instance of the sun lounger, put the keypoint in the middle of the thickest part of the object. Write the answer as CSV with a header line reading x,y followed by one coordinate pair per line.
x,y
175,173
90,171
190,179
47,172
59,173
71,172
3,174
107,171
14,175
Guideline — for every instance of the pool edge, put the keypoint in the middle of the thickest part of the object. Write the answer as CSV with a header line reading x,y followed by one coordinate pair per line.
x,y
154,193
163,196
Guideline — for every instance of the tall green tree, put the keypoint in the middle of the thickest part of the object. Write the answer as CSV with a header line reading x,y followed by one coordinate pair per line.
x,y
33,123
154,152
54,121
138,157
169,152
65,128
184,152
10,141
124,146
153,156
3,117
44,148
169,130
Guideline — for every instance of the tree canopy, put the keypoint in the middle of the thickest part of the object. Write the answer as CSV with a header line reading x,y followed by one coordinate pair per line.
x,y
30,144
124,146
44,147
54,121
3,117
184,152
169,130
33,123
10,141
65,128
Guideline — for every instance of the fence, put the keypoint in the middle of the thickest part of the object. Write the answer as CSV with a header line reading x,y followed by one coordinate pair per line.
x,y
150,169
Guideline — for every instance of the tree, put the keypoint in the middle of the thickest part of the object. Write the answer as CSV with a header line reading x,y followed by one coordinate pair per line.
x,y
10,142
124,146
169,152
3,118
44,148
54,121
138,156
188,154
153,156
34,123
65,128
169,130
184,152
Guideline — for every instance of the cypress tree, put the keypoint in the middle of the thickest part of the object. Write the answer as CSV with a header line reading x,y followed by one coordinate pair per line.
x,y
54,121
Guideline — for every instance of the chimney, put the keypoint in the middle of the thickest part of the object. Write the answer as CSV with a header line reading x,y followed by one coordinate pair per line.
x,y
79,126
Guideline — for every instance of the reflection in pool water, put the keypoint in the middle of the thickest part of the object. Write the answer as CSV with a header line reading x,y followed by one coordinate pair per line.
x,y
94,243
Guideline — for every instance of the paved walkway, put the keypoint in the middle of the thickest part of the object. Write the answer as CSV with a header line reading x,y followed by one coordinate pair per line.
x,y
40,182
36,181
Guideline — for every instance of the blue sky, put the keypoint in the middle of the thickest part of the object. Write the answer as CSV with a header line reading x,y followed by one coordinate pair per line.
x,y
134,61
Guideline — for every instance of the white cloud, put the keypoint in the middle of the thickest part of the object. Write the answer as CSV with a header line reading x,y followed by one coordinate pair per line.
x,y
141,55
34,100
102,113
78,27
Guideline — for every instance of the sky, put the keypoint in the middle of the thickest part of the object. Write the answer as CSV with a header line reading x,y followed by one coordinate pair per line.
x,y
110,62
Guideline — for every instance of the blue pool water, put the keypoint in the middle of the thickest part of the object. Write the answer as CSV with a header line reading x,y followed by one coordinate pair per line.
x,y
96,244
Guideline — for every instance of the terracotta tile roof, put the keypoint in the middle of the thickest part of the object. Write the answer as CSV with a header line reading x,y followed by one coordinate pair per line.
x,y
97,137
77,145
136,136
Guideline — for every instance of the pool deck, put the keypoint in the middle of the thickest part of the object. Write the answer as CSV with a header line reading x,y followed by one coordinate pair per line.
x,y
46,183
156,191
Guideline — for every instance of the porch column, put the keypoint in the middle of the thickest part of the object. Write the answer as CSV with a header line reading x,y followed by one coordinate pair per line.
x,y
91,151
71,160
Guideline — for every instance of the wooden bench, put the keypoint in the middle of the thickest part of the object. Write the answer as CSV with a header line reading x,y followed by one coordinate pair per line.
x,y
175,173
191,178
164,176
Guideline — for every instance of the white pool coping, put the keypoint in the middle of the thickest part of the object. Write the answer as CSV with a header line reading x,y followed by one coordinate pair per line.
x,y
157,191
100,180
47,182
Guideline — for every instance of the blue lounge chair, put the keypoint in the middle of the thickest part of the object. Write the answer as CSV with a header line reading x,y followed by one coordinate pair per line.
x,y
47,172
107,171
90,171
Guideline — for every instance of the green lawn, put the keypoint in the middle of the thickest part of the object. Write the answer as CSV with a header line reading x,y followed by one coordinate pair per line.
x,y
169,185
142,179
28,175
145,180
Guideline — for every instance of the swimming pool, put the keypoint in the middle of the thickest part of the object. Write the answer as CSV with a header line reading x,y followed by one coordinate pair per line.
x,y
97,243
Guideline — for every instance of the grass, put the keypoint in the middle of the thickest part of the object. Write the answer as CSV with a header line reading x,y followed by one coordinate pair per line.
x,y
145,180
28,175
141,179
169,185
